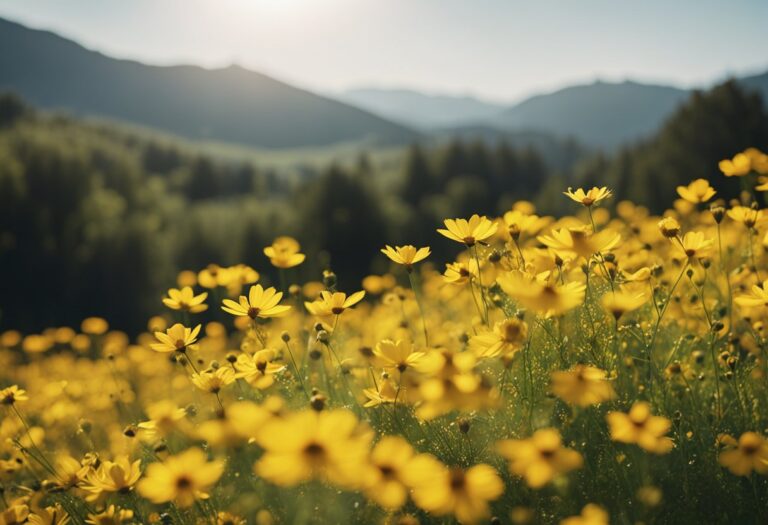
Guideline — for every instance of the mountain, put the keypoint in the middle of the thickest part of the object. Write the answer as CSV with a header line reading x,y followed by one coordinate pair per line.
x,y
229,105
421,110
600,114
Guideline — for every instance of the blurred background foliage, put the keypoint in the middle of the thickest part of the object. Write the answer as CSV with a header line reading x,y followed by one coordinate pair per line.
x,y
97,217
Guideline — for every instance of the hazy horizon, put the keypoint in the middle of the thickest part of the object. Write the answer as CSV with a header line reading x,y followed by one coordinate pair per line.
x,y
401,51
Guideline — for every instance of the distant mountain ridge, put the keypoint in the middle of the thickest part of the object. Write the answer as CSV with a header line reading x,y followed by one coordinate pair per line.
x,y
230,104
422,110
601,114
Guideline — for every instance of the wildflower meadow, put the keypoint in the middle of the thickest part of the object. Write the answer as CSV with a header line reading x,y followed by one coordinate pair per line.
x,y
608,366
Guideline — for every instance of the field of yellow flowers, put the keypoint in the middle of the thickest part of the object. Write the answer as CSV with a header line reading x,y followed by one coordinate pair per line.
x,y
604,367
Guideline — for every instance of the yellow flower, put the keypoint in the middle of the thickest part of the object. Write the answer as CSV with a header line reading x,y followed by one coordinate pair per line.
x,y
12,395
119,476
738,166
744,163
110,516
226,518
258,369
620,302
305,445
750,453
749,217
15,514
518,223
506,339
469,232
182,478
259,303
582,385
396,354
758,296
669,227
697,191
580,241
406,255
591,514
164,417
695,245
94,326
441,490
212,381
544,298
333,303
641,428
185,299
460,272
49,516
177,338
589,197
284,253
385,392
539,458
384,482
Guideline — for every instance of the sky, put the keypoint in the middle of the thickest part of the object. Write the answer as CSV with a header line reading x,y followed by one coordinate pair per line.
x,y
502,50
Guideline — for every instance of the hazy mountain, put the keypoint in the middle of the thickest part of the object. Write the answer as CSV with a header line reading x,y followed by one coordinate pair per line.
x,y
231,104
419,109
600,114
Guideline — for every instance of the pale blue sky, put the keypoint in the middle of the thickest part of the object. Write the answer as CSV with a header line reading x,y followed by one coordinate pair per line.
x,y
500,49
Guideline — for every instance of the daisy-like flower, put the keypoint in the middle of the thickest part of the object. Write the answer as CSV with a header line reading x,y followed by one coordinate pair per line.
x,y
260,303
542,297
582,385
330,446
177,338
442,490
406,255
750,453
258,369
182,478
112,515
506,339
697,191
695,245
54,515
591,514
459,273
185,299
284,253
620,302
384,483
749,217
469,232
590,197
385,392
745,163
539,458
164,418
580,241
333,303
118,476
397,354
669,227
12,395
758,296
518,223
212,381
640,427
